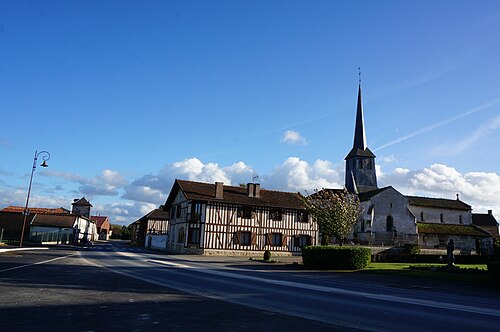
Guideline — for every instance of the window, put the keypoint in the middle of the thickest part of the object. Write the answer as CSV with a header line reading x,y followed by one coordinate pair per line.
x,y
172,212
303,217
421,216
441,218
195,212
244,238
276,214
389,224
178,214
360,163
369,164
274,239
460,219
193,234
180,236
362,225
245,212
302,240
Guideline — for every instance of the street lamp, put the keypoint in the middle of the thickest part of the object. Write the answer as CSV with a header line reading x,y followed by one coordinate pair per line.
x,y
45,157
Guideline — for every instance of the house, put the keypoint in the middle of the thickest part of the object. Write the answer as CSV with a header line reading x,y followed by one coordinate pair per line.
x,y
154,222
48,225
487,222
211,219
61,229
81,207
103,227
389,217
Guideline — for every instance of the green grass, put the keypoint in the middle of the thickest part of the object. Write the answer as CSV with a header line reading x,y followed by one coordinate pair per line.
x,y
404,266
475,274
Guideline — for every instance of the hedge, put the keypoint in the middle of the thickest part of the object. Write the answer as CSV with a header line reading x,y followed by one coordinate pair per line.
x,y
335,257
494,270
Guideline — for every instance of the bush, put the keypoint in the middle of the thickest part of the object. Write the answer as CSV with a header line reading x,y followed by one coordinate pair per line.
x,y
494,270
267,255
411,249
336,258
496,247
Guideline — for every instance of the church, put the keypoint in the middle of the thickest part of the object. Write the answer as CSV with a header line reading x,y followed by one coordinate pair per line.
x,y
391,218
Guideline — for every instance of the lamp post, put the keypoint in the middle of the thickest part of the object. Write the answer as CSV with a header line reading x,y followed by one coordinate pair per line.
x,y
45,157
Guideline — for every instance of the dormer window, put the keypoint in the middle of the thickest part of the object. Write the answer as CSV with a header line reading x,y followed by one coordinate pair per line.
x,y
276,214
246,212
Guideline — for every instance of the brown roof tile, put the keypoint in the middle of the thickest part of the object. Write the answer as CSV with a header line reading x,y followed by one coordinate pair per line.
x,y
441,203
484,219
35,210
450,229
238,195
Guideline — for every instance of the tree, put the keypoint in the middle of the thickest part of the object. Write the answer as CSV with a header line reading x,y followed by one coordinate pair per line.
x,y
335,211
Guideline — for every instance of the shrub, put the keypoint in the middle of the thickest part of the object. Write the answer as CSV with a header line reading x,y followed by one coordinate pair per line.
x,y
336,258
494,270
267,255
411,249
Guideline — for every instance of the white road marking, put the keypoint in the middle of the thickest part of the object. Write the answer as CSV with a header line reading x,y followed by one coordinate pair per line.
x,y
22,249
37,263
389,298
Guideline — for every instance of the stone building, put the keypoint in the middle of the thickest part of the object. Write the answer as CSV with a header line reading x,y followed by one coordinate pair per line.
x,y
389,217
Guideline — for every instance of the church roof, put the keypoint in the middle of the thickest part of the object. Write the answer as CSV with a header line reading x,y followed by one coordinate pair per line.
x,y
484,219
359,147
369,194
451,229
440,203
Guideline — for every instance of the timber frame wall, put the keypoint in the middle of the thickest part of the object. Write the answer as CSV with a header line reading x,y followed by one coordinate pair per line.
x,y
220,226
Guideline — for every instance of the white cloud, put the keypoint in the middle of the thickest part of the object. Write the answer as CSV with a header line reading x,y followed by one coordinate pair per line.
x,y
479,189
106,184
293,137
297,175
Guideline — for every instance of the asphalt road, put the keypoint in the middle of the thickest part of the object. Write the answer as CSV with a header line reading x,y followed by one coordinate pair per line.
x,y
116,287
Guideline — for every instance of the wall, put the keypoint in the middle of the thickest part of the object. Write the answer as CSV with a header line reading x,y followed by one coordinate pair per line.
x,y
449,216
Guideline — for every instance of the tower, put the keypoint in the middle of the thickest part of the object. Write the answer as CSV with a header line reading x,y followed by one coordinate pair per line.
x,y
360,175
81,207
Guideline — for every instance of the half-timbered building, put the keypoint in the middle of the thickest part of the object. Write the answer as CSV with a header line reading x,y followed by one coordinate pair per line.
x,y
246,220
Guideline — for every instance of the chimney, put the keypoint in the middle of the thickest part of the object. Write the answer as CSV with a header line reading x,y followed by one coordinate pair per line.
x,y
256,190
250,189
490,212
219,190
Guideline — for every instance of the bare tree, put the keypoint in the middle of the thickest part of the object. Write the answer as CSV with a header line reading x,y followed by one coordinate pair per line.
x,y
335,211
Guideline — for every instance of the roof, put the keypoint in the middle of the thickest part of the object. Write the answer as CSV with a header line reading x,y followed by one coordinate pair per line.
x,y
369,194
198,191
81,201
451,229
441,203
360,152
35,210
484,219
13,220
53,220
99,220
158,214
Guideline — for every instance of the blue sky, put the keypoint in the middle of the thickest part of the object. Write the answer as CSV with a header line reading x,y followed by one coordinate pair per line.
x,y
129,95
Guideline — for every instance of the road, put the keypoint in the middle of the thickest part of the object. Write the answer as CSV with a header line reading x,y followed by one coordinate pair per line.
x,y
218,291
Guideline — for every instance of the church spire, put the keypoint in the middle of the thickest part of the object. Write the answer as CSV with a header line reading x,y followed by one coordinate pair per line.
x,y
360,175
359,131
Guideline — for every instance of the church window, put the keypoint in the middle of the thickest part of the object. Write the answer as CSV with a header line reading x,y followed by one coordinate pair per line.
x,y
389,224
421,216
362,225
441,217
369,164
390,205
460,219
361,163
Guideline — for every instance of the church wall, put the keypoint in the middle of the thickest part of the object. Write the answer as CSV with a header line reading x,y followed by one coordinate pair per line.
x,y
392,203
433,215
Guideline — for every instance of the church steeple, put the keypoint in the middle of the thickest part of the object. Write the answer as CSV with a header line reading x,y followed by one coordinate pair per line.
x,y
360,175
359,133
